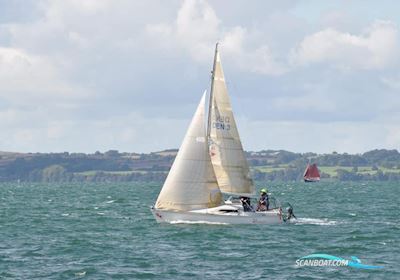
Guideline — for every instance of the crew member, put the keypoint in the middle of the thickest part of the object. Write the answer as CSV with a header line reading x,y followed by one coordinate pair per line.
x,y
263,202
246,203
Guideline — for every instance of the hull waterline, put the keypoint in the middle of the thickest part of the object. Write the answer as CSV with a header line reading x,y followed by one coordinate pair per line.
x,y
309,180
204,216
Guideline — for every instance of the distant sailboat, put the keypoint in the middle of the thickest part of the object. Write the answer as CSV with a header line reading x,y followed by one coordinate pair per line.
x,y
211,162
311,174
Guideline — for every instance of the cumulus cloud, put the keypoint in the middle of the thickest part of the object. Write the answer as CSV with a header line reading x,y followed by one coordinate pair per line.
x,y
376,48
100,74
30,78
197,28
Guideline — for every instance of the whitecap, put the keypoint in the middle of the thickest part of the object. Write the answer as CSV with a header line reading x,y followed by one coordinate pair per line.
x,y
82,273
196,222
110,201
65,214
311,221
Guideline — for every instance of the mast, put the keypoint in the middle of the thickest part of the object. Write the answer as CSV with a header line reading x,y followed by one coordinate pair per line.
x,y
211,92
226,150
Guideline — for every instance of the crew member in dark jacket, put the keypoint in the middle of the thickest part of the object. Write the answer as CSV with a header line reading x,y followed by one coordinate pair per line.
x,y
246,203
263,202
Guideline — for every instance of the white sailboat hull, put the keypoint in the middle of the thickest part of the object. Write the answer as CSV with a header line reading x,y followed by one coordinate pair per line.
x,y
218,216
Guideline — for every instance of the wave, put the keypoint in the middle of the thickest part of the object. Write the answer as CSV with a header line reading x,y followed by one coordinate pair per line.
x,y
80,274
196,222
312,221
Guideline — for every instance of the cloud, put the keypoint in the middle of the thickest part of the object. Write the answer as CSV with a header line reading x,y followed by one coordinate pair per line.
x,y
376,48
258,60
393,82
30,78
126,132
197,28
103,74
303,136
196,21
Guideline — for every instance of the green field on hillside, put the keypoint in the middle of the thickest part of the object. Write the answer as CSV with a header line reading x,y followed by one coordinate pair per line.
x,y
330,170
94,172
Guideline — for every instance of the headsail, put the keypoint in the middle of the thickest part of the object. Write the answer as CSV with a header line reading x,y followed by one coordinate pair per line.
x,y
227,155
191,182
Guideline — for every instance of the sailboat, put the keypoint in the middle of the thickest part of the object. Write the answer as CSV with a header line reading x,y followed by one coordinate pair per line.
x,y
211,162
311,174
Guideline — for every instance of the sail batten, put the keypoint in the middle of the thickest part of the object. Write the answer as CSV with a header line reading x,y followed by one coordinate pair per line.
x,y
226,150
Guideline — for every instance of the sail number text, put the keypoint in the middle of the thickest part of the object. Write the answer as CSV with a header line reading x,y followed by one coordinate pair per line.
x,y
222,123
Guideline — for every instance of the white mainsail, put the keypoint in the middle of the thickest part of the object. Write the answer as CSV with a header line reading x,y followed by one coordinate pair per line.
x,y
227,155
191,182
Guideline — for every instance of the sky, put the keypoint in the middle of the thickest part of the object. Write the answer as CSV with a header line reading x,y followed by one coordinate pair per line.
x,y
94,75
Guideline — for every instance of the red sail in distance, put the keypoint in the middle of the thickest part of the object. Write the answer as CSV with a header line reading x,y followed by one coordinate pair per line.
x,y
311,174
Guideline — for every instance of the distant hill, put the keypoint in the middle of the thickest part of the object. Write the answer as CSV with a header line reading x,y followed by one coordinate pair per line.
x,y
281,165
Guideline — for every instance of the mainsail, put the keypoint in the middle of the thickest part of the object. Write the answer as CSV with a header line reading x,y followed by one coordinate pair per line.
x,y
191,182
311,174
227,155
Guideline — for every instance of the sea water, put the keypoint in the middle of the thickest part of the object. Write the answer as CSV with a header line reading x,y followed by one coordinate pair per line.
x,y
106,231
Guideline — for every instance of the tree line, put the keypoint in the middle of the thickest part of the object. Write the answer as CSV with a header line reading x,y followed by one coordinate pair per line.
x,y
113,166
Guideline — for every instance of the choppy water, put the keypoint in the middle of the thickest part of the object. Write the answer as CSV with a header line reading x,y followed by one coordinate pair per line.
x,y
106,231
